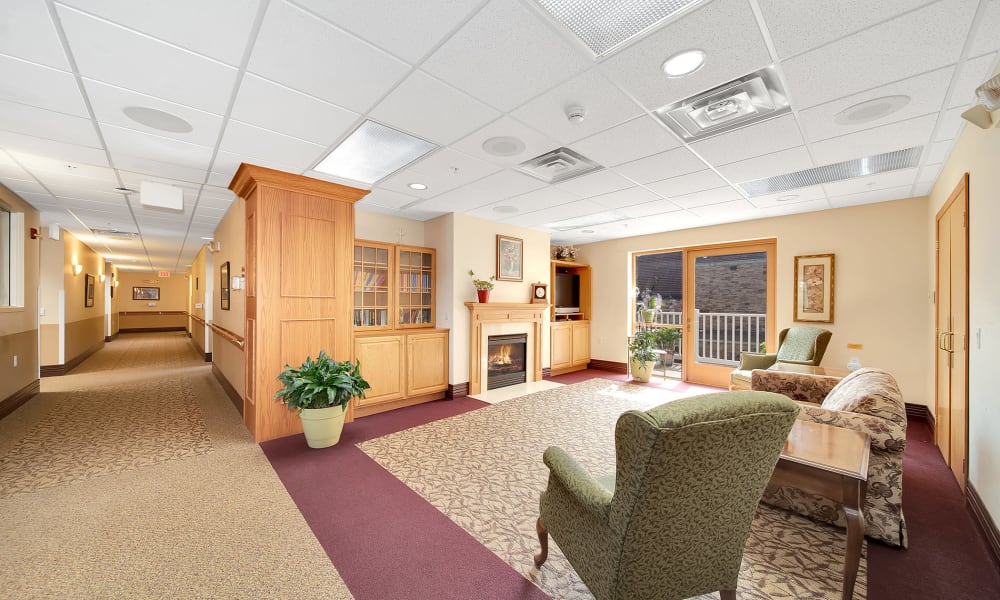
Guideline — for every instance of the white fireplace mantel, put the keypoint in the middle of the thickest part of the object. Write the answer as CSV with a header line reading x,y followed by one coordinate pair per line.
x,y
486,316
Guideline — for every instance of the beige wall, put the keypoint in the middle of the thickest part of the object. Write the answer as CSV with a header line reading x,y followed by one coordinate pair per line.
x,y
386,228
52,282
882,290
231,234
198,292
114,277
977,152
19,325
173,292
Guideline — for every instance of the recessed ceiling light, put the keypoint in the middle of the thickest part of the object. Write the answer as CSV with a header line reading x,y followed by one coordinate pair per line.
x,y
418,186
157,119
684,63
871,110
503,145
373,151
505,209
787,197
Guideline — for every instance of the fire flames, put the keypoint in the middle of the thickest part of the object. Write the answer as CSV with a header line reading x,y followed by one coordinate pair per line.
x,y
500,356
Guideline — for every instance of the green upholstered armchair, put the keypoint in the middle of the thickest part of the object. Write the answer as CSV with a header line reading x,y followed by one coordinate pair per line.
x,y
673,520
797,345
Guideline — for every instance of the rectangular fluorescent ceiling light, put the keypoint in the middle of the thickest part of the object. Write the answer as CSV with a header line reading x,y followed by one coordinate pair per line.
x,y
750,99
849,169
161,195
603,26
372,152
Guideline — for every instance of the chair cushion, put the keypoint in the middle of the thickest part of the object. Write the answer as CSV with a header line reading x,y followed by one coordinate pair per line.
x,y
799,344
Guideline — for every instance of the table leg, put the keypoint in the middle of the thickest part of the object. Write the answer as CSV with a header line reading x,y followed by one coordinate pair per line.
x,y
854,499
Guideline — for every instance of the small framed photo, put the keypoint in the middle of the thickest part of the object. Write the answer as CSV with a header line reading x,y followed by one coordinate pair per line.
x,y
224,289
814,288
88,299
145,293
510,258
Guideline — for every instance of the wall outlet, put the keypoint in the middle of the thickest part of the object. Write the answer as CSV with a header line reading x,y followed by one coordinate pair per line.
x,y
15,360
41,311
151,304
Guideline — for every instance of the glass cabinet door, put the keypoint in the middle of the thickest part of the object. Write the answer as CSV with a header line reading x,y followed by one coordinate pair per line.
x,y
416,286
372,277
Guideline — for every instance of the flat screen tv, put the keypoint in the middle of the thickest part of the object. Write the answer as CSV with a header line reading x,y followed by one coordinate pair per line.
x,y
567,293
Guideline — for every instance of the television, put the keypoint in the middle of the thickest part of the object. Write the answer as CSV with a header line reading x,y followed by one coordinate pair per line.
x,y
566,295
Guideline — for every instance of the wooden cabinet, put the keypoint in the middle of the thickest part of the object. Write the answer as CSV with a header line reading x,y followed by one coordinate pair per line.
x,y
405,368
570,346
373,274
393,286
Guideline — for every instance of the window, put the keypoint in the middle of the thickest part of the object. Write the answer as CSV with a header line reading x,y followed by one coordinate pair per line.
x,y
11,259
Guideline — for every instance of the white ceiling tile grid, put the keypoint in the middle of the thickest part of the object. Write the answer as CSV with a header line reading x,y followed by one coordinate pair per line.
x,y
50,88
638,138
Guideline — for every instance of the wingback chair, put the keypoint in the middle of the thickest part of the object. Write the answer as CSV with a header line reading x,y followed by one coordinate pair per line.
x,y
674,518
799,345
866,400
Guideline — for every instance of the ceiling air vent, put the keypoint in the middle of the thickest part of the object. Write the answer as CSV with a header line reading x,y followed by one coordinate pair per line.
x,y
115,234
558,165
750,99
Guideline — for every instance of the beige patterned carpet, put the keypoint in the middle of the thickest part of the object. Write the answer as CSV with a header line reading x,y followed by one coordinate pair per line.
x,y
484,470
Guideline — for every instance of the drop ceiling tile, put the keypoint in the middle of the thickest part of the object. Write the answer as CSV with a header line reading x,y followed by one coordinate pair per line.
x,y
686,184
736,210
407,29
270,149
622,198
799,26
638,138
211,202
25,186
896,193
386,198
418,214
985,38
706,197
109,101
300,115
950,124
811,193
734,47
770,136
38,122
778,163
112,54
604,106
929,173
926,94
50,89
492,189
937,152
535,144
972,73
293,44
923,189
16,142
442,171
147,166
664,165
432,110
12,171
887,138
544,198
375,208
26,31
847,66
559,214
128,141
872,183
53,170
645,209
215,178
505,55
794,208
595,184
106,194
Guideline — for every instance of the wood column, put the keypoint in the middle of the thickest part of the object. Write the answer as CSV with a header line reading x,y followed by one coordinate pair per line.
x,y
300,243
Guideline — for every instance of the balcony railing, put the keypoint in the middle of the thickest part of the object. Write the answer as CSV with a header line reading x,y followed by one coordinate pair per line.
x,y
720,338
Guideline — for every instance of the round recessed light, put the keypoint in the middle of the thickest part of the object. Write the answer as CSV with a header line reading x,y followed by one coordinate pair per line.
x,y
503,145
871,110
787,197
157,119
418,186
505,209
684,63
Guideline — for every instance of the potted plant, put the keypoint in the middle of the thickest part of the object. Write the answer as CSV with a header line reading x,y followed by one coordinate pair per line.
x,y
320,390
567,253
483,286
648,305
642,355
666,339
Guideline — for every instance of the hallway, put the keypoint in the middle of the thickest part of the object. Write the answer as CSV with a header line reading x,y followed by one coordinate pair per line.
x,y
133,476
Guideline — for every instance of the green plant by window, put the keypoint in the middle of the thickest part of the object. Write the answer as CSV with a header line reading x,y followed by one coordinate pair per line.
x,y
321,383
482,284
666,338
642,346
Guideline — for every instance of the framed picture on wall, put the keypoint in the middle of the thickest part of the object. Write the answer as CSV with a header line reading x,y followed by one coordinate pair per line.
x,y
510,258
145,293
224,289
88,299
814,288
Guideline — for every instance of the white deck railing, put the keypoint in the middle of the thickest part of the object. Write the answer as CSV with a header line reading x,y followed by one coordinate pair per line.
x,y
721,337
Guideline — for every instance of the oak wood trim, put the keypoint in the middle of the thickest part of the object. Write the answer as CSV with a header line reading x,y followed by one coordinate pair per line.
x,y
248,177
986,523
608,365
502,312
365,411
52,370
457,390
146,313
227,387
150,329
198,319
230,336
18,398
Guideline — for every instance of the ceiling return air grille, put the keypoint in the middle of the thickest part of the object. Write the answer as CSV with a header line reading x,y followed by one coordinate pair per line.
x,y
558,165
849,169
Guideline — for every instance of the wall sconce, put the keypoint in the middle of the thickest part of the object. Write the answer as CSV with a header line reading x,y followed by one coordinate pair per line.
x,y
102,277
116,283
77,269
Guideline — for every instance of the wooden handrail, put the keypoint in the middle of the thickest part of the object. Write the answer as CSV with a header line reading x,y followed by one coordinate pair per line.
x,y
229,336
151,312
198,319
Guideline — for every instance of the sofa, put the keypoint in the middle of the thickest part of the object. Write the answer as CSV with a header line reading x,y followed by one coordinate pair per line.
x,y
866,400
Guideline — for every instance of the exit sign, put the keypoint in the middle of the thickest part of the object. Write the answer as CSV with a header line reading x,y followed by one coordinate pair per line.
x,y
164,274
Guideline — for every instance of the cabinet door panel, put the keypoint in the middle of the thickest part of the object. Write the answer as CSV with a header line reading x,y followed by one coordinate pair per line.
x,y
427,363
561,340
581,343
382,367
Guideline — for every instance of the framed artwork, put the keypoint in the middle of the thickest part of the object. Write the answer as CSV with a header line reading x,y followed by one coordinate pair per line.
x,y
224,289
145,293
814,288
88,299
510,258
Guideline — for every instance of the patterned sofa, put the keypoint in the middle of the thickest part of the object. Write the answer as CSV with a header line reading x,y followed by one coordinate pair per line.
x,y
866,400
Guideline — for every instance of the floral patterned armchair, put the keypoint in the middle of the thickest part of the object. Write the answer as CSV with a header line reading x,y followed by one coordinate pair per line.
x,y
800,345
673,520
866,400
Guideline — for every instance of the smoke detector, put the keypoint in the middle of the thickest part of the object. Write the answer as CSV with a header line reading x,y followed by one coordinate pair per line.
x,y
575,114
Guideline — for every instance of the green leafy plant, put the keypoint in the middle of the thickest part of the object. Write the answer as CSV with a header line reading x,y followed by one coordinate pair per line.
x,y
482,284
666,338
763,347
321,383
642,345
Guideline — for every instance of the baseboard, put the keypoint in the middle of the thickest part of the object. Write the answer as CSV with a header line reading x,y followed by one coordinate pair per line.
x,y
70,365
457,390
986,523
608,365
18,398
546,372
920,412
150,329
208,357
52,370
107,339
227,387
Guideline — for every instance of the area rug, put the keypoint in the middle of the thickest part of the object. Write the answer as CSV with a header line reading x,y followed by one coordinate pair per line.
x,y
484,470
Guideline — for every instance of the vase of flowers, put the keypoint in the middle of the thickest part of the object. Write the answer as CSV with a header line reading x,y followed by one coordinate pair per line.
x,y
567,253
483,287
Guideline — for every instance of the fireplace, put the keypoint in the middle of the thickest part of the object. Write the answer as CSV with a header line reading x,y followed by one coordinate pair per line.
x,y
506,360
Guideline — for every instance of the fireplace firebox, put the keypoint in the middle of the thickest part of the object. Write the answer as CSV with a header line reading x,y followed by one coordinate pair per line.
x,y
506,362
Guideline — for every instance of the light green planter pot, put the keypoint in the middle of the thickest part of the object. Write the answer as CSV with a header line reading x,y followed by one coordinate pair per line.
x,y
322,426
641,370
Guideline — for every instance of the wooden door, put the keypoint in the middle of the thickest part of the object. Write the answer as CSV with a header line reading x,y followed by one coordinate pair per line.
x,y
581,342
561,342
427,362
381,359
952,331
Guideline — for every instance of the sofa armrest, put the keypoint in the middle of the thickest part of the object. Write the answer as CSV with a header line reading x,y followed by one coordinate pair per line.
x,y
797,386
578,482
884,434
756,360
